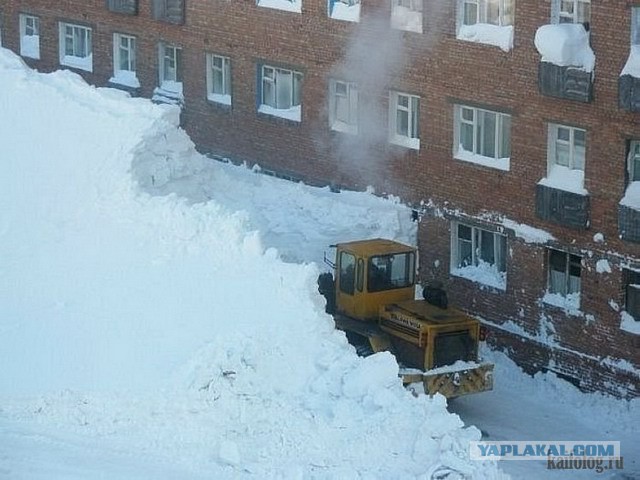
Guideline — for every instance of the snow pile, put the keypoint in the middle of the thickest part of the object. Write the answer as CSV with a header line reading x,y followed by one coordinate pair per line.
x,y
347,11
404,18
565,178
629,324
566,45
155,325
632,67
496,35
294,6
631,197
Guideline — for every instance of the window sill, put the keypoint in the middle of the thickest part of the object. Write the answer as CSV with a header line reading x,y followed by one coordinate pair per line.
x,y
222,100
483,276
291,114
346,13
407,20
487,34
412,143
284,5
80,63
126,79
344,128
570,303
629,324
497,163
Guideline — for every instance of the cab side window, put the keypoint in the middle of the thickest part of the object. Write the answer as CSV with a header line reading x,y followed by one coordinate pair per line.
x,y
347,273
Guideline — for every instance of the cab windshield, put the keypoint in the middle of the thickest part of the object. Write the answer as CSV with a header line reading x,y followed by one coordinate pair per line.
x,y
386,272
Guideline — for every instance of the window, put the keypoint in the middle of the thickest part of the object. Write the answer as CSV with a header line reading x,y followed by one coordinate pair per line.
x,y
280,95
493,12
343,108
30,36
486,21
404,114
633,161
571,11
632,293
347,273
482,136
635,26
170,59
219,79
566,157
286,5
564,273
124,60
348,10
129,7
478,255
75,46
171,11
407,15
387,272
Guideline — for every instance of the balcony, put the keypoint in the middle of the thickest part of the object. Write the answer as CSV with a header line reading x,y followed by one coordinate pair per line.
x,y
629,93
629,223
570,83
561,207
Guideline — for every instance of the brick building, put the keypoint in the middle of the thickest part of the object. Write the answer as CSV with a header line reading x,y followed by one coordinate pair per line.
x,y
520,157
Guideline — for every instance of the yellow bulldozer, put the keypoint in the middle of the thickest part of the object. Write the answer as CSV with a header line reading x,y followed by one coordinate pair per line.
x,y
371,295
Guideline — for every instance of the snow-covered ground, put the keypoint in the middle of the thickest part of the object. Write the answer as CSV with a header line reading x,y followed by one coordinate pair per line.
x,y
159,317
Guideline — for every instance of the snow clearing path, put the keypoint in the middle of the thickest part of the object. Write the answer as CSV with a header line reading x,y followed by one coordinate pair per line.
x,y
165,327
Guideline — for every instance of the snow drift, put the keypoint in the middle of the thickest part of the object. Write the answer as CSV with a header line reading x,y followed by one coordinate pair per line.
x,y
163,326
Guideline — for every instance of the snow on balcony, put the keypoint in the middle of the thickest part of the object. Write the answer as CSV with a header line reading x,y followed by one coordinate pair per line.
x,y
564,178
30,46
498,36
629,324
125,78
632,67
293,113
349,12
631,197
82,63
565,45
294,6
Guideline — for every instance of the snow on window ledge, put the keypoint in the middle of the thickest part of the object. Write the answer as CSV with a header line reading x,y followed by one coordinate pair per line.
x,y
293,113
565,45
631,197
338,126
497,163
495,35
219,98
632,67
125,78
484,274
628,323
342,11
403,18
569,303
81,63
412,143
30,46
286,5
564,178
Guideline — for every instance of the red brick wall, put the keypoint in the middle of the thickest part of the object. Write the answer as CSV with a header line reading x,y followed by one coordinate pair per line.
x,y
441,70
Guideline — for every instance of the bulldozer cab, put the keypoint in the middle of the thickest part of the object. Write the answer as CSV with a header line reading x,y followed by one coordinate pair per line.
x,y
372,273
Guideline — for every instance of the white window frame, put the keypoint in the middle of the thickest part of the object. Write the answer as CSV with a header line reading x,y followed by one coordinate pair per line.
x,y
119,48
281,92
410,137
564,283
80,55
474,118
220,66
29,27
343,106
472,249
170,77
568,11
403,21
576,154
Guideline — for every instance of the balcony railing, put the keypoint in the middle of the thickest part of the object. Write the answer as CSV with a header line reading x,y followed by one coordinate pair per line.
x,y
562,207
129,7
629,93
565,82
629,223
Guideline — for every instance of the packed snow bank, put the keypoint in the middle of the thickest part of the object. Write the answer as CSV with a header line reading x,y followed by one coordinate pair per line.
x,y
566,45
160,326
